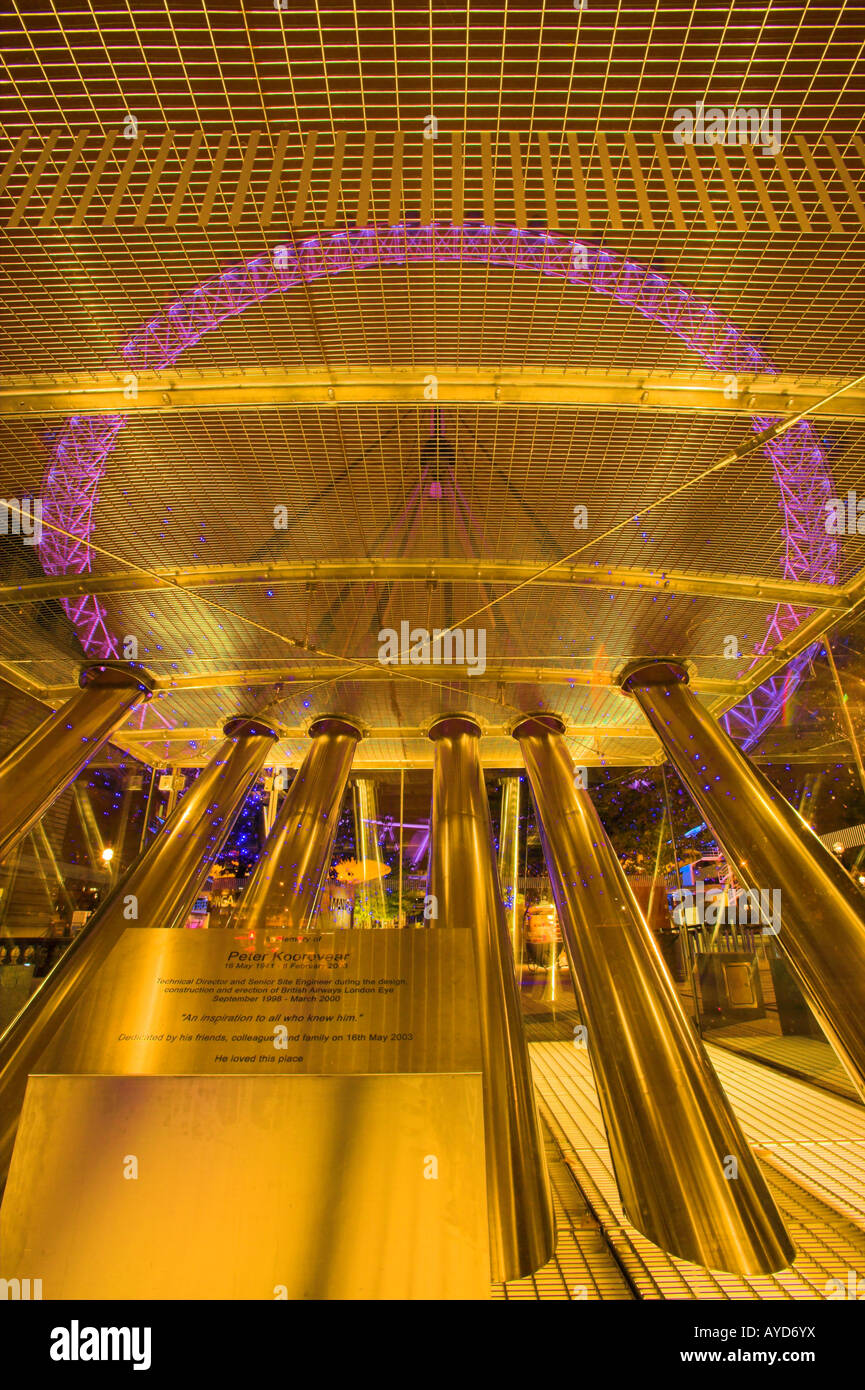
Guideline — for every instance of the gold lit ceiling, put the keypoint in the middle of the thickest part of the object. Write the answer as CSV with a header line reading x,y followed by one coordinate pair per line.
x,y
149,148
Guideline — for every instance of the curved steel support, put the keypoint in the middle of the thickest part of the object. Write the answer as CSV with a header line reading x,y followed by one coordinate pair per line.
x,y
34,774
772,850
463,881
685,1172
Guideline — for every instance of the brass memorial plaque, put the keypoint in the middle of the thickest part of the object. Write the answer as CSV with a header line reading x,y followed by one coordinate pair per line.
x,y
259,1117
187,1003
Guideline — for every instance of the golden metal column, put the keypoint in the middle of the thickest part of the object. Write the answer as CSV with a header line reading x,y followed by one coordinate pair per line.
x,y
42,766
272,801
509,849
686,1175
844,710
463,880
370,891
158,891
399,921
283,889
770,848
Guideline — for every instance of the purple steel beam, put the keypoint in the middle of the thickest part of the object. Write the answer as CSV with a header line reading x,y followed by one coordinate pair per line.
x,y
70,488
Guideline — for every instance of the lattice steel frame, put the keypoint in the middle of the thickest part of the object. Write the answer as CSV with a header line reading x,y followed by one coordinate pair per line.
x,y
70,488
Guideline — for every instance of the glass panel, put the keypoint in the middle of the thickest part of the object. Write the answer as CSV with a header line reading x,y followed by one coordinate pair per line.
x,y
378,871
62,869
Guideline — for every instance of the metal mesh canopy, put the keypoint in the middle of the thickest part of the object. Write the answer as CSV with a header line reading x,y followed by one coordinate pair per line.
x,y
288,294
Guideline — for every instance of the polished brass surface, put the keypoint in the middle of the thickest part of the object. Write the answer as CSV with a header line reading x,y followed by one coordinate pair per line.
x,y
509,854
158,890
34,774
284,887
250,1187
671,1130
202,1002
463,881
770,847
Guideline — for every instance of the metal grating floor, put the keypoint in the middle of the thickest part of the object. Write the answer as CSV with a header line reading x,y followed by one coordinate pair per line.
x,y
583,1266
817,1139
813,1148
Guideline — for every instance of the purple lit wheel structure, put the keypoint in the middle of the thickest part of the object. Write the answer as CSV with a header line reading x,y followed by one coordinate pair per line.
x,y
70,488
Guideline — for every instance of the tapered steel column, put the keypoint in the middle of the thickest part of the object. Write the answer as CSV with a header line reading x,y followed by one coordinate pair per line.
x,y
769,847
371,892
42,766
509,851
157,891
282,891
463,880
686,1175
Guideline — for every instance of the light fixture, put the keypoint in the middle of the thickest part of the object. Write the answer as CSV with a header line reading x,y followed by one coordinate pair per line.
x,y
108,854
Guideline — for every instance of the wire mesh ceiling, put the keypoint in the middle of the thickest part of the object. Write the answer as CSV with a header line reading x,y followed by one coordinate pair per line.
x,y
150,150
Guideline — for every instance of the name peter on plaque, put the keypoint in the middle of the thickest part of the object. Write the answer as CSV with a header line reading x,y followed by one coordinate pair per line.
x,y
313,959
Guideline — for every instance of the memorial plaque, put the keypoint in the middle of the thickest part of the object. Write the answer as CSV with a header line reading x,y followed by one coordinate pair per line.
x,y
259,1116
178,1003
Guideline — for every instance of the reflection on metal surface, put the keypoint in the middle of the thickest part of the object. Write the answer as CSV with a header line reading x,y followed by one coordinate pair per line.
x,y
43,764
283,889
158,890
366,850
463,882
298,1187
583,1267
509,849
671,1131
353,1002
771,848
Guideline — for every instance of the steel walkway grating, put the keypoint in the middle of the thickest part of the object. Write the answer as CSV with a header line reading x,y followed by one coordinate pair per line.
x,y
813,1149
583,1266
